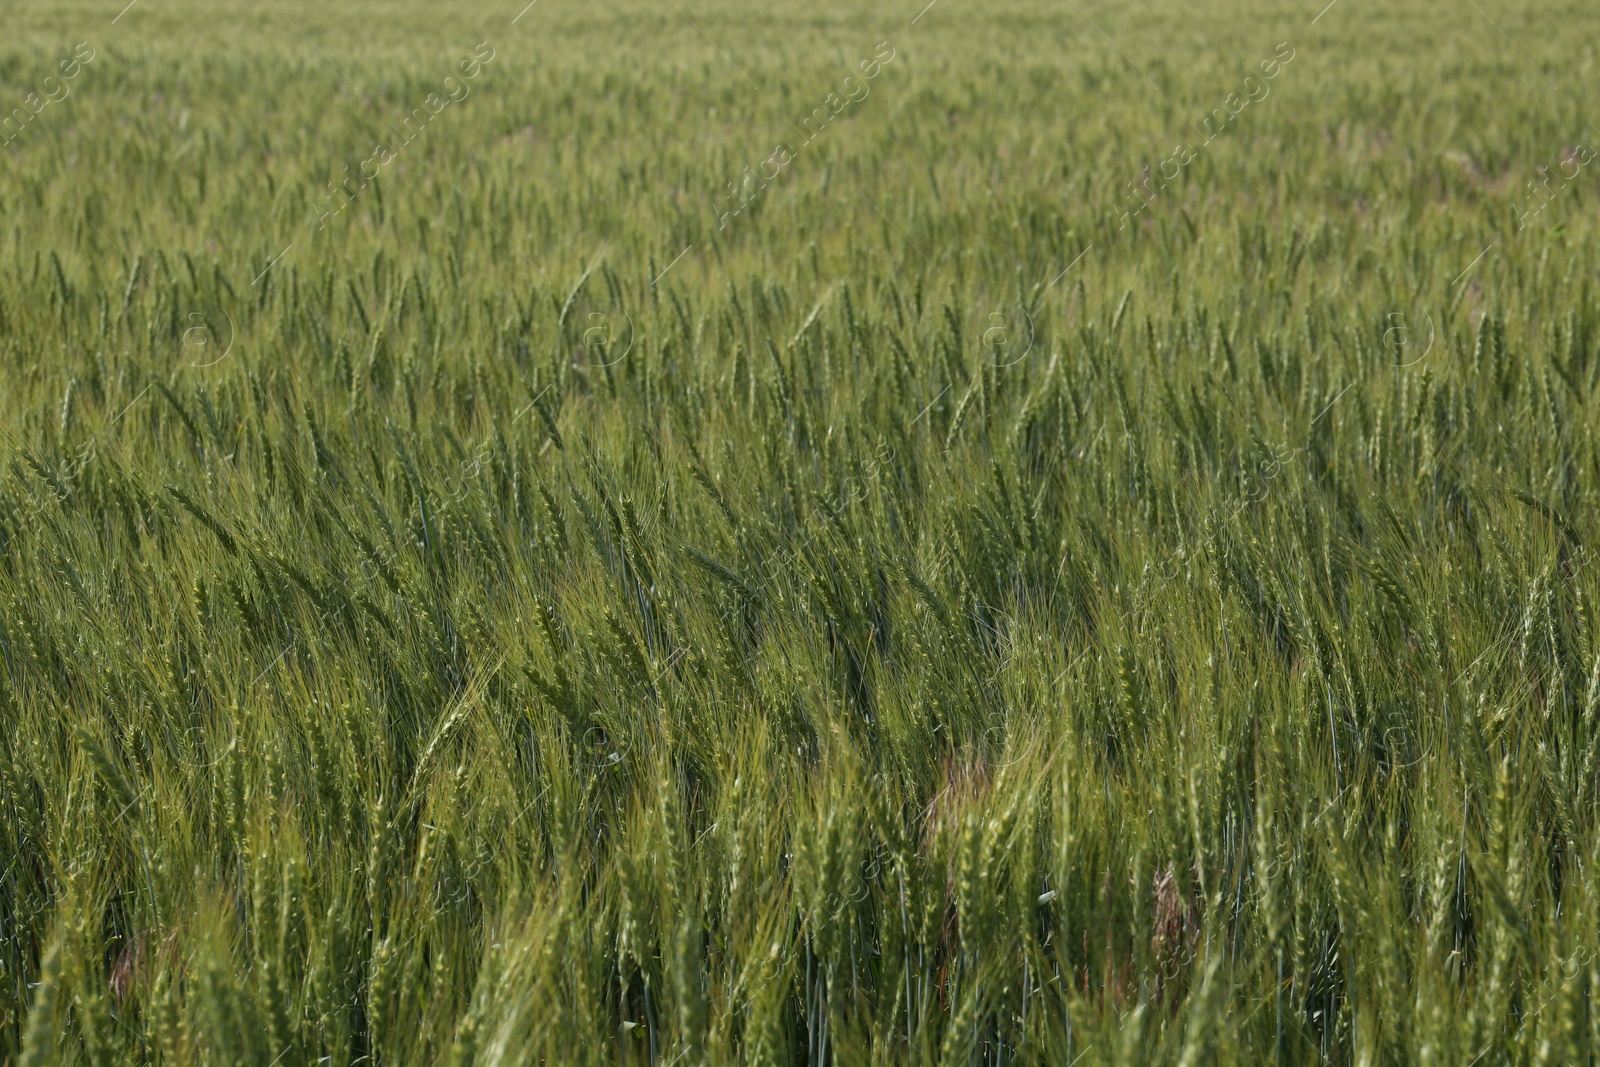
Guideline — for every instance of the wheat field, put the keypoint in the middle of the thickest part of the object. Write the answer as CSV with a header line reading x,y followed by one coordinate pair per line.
x,y
674,532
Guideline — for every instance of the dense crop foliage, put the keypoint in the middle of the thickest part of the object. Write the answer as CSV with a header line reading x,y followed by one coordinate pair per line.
x,y
988,587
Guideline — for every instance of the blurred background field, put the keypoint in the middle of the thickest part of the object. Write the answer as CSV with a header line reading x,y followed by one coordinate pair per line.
x,y
935,614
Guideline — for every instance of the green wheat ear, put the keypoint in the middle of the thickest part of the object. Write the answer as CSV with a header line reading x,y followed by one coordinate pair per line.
x,y
42,1028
